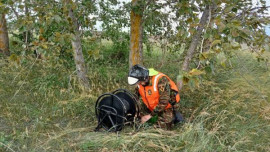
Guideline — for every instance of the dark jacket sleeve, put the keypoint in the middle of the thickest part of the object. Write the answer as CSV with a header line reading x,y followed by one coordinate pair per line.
x,y
136,92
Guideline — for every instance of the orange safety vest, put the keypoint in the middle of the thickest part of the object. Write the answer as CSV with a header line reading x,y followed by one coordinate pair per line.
x,y
150,94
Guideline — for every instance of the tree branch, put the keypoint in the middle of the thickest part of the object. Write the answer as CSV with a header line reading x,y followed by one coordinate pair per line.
x,y
15,12
264,7
196,38
194,42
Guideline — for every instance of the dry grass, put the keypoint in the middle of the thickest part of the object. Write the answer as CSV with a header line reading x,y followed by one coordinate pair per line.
x,y
43,109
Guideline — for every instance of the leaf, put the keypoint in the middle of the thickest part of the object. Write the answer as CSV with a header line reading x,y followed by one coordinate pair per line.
x,y
194,25
41,30
223,64
218,20
196,72
217,50
201,57
90,52
221,26
235,33
234,9
191,31
204,55
215,42
262,51
208,69
9,3
189,20
21,6
57,34
228,9
222,59
235,46
13,57
185,79
57,18
45,46
35,43
236,23
41,38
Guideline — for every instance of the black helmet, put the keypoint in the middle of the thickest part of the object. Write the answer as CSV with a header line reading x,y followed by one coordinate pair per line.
x,y
137,73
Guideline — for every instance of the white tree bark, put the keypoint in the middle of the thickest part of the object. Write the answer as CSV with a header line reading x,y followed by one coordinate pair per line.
x,y
78,55
194,43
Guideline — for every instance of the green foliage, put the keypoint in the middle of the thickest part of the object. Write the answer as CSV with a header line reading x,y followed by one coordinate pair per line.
x,y
113,30
109,52
4,140
42,107
226,103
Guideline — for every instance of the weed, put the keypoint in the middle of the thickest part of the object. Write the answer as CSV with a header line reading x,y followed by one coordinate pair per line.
x,y
43,108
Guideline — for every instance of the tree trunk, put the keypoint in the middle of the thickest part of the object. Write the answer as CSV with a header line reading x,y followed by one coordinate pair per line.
x,y
194,43
136,35
78,55
26,34
4,41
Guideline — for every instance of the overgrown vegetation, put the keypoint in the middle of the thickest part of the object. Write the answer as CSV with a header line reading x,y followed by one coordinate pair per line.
x,y
59,60
43,108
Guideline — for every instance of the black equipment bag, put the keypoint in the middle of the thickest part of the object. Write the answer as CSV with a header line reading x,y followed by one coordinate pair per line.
x,y
178,118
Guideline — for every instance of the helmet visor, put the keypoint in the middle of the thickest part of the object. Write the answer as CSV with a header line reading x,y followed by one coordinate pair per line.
x,y
132,80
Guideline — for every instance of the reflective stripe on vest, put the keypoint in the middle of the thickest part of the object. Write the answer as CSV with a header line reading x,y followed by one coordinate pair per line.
x,y
155,81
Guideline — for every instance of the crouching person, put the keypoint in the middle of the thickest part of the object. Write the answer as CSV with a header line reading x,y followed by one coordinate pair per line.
x,y
159,95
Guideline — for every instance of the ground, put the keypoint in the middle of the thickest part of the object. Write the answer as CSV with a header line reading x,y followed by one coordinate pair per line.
x,y
43,109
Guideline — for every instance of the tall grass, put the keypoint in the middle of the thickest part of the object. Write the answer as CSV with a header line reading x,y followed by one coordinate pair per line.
x,y
44,109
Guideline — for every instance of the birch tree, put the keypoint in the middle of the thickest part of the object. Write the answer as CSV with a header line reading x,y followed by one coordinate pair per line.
x,y
77,48
213,37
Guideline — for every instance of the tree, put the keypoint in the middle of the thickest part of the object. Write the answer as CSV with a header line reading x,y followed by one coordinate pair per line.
x,y
224,26
136,33
22,17
194,42
115,20
77,48
4,40
27,34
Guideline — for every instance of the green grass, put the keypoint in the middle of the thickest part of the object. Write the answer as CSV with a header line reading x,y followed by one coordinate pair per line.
x,y
44,109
